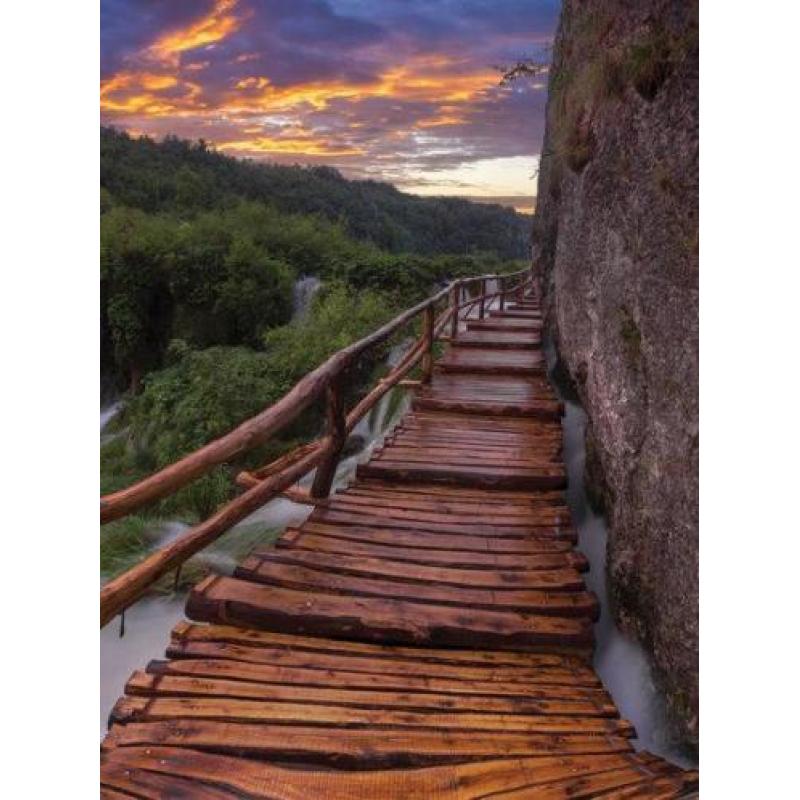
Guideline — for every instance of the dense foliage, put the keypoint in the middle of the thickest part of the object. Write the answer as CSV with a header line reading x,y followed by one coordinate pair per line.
x,y
178,174
197,276
202,394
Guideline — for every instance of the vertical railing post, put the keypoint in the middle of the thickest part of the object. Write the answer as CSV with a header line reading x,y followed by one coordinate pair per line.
x,y
455,302
336,429
427,333
502,289
482,306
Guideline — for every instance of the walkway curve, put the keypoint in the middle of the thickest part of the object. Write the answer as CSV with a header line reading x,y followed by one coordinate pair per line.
x,y
426,633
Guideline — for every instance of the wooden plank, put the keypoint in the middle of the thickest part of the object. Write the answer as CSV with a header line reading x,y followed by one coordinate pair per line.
x,y
228,665
503,324
257,779
553,601
354,747
165,685
396,497
398,470
459,456
498,340
127,782
334,518
546,515
568,673
513,558
539,410
460,492
219,599
186,631
265,712
415,573
400,534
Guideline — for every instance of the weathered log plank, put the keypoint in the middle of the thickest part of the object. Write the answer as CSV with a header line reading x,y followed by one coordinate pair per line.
x,y
353,747
229,665
219,599
471,781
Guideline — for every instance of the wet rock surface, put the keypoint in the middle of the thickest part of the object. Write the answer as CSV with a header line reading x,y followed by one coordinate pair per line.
x,y
615,241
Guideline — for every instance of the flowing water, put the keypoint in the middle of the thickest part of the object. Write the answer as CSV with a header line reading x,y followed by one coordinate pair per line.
x,y
620,661
148,622
303,293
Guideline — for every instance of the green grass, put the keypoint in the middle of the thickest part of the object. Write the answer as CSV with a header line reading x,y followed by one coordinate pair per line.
x,y
125,542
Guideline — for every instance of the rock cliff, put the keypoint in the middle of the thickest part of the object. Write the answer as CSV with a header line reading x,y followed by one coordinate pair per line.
x,y
615,240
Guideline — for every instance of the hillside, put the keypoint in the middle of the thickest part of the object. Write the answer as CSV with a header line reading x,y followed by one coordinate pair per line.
x,y
200,255
178,174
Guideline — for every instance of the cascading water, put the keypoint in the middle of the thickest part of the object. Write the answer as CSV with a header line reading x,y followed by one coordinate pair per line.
x,y
148,622
621,662
109,412
303,293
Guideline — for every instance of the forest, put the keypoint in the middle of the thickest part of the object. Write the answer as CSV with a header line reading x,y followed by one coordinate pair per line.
x,y
199,257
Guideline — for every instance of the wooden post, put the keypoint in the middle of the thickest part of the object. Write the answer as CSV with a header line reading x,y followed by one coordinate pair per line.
x,y
482,306
501,285
427,334
336,429
455,301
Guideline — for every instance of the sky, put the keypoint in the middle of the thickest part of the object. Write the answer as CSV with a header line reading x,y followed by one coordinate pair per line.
x,y
405,91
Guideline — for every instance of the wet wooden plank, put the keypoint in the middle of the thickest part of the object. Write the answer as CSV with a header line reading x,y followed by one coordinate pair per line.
x,y
551,595
518,340
460,552
396,498
353,747
219,599
165,685
545,515
220,660
535,673
266,712
495,496
505,323
553,477
336,519
419,573
492,362
252,778
187,631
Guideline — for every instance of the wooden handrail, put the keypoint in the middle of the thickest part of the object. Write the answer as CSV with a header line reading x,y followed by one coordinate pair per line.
x,y
254,431
264,484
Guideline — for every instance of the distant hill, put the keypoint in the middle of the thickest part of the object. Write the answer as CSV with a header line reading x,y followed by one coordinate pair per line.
x,y
179,174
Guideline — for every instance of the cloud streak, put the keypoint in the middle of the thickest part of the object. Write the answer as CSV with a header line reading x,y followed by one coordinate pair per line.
x,y
401,91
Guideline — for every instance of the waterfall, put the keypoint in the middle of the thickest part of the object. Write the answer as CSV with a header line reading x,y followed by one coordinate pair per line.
x,y
305,287
149,620
619,660
109,412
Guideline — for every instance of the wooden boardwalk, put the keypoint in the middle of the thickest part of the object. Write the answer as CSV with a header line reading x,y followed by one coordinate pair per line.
x,y
426,633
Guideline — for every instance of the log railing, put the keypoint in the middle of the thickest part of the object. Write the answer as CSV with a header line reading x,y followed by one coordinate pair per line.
x,y
279,477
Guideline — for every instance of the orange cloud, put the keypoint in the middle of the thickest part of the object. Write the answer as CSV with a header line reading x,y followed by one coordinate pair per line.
x,y
139,93
303,144
406,82
215,26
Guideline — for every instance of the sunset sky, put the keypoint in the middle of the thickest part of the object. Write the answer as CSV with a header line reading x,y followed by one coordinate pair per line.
x,y
398,90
